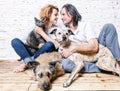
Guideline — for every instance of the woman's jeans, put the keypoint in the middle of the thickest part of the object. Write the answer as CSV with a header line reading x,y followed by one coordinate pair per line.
x,y
109,38
26,53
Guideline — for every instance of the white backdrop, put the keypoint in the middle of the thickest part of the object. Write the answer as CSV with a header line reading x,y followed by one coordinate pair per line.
x,y
17,18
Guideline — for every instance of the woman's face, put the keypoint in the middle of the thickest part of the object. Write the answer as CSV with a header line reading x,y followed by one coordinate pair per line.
x,y
66,17
54,16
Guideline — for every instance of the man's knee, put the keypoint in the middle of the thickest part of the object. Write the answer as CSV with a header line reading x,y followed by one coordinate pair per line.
x,y
109,27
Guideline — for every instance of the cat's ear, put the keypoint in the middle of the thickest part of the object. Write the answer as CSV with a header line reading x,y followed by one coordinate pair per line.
x,y
35,19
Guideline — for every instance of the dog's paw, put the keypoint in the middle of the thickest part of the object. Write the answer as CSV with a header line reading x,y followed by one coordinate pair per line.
x,y
66,83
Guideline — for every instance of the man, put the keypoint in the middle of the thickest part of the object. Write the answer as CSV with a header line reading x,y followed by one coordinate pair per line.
x,y
84,32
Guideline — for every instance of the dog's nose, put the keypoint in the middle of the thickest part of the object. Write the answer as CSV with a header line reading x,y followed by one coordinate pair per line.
x,y
64,38
46,86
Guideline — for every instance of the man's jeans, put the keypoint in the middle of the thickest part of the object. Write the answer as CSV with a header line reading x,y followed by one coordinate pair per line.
x,y
109,38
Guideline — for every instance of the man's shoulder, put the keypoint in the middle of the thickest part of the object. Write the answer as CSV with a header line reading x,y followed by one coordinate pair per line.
x,y
83,23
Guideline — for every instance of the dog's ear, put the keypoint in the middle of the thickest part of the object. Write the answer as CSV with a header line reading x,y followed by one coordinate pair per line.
x,y
53,31
70,32
53,63
53,66
32,64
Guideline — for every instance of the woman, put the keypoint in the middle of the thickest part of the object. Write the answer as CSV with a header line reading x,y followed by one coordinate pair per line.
x,y
49,14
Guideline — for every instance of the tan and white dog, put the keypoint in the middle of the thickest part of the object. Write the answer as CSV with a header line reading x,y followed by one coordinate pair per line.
x,y
46,68
104,57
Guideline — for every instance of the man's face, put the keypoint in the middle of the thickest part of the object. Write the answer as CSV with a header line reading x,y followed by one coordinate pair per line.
x,y
66,17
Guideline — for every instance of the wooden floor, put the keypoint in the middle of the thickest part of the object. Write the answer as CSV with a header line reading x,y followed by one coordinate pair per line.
x,y
10,81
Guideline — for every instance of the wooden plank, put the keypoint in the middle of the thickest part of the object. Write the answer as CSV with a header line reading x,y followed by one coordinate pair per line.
x,y
87,86
92,78
14,87
10,81
34,87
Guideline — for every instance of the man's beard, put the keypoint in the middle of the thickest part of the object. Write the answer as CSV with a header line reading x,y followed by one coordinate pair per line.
x,y
67,24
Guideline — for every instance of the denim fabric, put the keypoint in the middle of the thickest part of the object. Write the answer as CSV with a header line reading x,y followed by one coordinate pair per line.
x,y
69,65
28,59
109,38
21,49
25,52
47,47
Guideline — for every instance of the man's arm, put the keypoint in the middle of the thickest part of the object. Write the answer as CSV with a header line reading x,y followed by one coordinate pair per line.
x,y
86,48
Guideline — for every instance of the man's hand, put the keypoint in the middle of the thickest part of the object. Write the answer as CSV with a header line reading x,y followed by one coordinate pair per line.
x,y
66,52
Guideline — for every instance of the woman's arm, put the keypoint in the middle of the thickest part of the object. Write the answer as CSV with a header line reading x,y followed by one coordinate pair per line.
x,y
40,31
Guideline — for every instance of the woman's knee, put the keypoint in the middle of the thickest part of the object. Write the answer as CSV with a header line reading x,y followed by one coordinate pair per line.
x,y
50,46
15,42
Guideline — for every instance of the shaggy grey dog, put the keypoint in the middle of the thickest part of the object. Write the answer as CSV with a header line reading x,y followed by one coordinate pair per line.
x,y
34,38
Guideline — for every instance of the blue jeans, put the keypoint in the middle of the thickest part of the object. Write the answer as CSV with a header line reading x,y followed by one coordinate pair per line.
x,y
109,38
69,65
26,53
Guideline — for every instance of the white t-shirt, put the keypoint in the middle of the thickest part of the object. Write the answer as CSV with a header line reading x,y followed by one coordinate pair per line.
x,y
51,35
83,33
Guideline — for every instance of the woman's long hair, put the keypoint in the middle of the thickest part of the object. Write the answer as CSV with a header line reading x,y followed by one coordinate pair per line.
x,y
46,12
73,12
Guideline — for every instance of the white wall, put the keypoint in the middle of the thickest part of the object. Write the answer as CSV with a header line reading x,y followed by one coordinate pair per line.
x,y
17,18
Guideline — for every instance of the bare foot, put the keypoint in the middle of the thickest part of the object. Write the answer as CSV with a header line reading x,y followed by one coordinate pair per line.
x,y
20,68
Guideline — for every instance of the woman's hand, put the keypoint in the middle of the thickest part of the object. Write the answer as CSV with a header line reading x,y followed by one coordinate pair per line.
x,y
56,44
40,45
